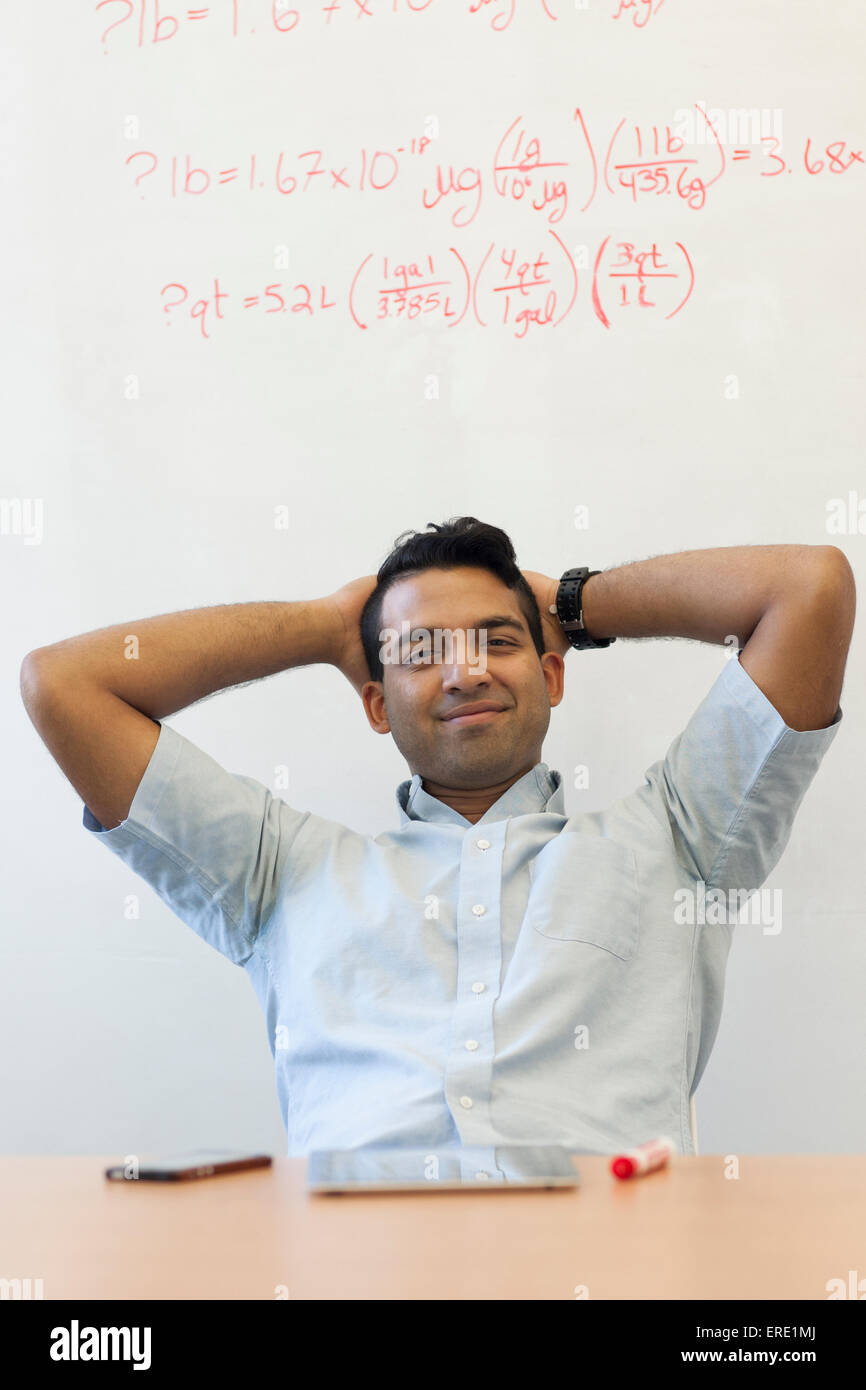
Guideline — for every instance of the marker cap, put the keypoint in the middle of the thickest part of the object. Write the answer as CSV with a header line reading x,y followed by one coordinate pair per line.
x,y
622,1167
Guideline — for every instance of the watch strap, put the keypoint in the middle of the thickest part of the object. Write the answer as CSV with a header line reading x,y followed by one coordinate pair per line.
x,y
569,609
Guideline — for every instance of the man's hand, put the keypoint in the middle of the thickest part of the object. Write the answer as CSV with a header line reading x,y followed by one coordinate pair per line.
x,y
348,655
544,588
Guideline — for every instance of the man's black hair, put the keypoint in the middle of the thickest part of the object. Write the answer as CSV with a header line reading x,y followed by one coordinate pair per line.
x,y
463,540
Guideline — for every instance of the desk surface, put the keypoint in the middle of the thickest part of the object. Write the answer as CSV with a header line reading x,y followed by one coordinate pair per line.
x,y
782,1229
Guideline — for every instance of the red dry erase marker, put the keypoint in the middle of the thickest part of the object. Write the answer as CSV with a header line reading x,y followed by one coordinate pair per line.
x,y
643,1158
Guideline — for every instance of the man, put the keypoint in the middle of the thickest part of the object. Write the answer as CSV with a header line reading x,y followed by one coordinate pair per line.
x,y
494,970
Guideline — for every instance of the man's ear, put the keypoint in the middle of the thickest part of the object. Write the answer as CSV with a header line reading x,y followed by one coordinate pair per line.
x,y
373,696
553,668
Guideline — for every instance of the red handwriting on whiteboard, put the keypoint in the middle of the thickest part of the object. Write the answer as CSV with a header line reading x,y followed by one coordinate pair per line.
x,y
664,167
520,172
838,158
525,291
286,173
207,310
412,290
506,289
502,11
160,26
464,185
642,11
150,22
642,279
639,161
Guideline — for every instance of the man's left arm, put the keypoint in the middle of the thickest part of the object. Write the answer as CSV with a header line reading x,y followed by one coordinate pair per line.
x,y
790,609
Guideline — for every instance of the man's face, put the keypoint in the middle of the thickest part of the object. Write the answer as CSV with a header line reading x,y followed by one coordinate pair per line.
x,y
415,699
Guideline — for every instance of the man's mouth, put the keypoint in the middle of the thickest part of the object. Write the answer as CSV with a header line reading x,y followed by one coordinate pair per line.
x,y
484,717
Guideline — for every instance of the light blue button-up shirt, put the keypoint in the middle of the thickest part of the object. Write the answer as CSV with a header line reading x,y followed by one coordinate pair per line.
x,y
536,977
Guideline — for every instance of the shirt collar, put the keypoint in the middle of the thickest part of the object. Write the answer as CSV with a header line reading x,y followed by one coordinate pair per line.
x,y
540,789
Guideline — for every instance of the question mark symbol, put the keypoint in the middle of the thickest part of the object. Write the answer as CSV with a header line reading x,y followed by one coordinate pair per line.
x,y
127,16
166,308
143,154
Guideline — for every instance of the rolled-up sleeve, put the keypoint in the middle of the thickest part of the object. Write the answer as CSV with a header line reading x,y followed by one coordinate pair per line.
x,y
215,846
731,783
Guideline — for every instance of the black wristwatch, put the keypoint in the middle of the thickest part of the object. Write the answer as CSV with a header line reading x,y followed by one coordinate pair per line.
x,y
569,609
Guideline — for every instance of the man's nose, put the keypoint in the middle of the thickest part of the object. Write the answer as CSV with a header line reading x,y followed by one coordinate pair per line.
x,y
464,661
465,674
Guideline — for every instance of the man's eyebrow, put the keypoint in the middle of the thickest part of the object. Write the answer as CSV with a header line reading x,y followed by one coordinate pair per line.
x,y
497,620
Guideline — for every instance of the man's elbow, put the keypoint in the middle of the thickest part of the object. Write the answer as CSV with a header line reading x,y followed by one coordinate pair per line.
x,y
837,563
31,675
836,586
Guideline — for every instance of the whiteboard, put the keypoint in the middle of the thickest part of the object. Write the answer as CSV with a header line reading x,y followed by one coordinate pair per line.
x,y
523,236
282,281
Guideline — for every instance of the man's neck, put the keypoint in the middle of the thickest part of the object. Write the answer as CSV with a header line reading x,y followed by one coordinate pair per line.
x,y
473,802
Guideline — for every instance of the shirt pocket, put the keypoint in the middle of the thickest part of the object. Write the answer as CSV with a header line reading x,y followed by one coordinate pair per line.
x,y
585,888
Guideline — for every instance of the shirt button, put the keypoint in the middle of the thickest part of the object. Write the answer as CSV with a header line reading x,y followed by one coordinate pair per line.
x,y
478,987
479,1176
466,1102
471,1045
479,909
483,844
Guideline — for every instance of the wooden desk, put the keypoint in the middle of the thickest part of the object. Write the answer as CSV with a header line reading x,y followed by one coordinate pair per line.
x,y
781,1230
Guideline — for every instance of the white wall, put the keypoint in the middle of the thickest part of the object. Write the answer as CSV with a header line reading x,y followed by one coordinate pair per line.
x,y
158,458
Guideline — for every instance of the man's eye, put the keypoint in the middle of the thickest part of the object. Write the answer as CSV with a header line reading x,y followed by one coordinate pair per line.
x,y
420,655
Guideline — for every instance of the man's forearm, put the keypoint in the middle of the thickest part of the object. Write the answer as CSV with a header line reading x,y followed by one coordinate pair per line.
x,y
706,595
161,665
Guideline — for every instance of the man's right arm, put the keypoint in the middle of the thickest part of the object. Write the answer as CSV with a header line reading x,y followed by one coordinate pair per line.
x,y
94,699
